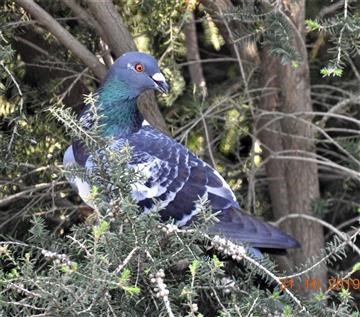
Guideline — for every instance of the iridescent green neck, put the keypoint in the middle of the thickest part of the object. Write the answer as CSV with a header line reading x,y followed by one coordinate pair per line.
x,y
118,110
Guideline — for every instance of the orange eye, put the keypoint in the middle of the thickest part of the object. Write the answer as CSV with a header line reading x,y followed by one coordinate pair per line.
x,y
139,67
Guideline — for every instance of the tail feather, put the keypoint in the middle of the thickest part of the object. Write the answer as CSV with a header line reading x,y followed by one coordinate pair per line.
x,y
243,228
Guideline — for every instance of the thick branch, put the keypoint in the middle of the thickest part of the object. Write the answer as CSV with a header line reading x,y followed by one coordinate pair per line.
x,y
270,136
192,54
111,22
302,178
148,107
55,28
85,17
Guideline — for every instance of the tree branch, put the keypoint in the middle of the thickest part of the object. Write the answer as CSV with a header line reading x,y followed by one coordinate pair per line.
x,y
9,199
331,9
86,18
111,22
55,28
192,54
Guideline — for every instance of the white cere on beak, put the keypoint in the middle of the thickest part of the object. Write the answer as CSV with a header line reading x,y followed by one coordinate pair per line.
x,y
160,83
158,77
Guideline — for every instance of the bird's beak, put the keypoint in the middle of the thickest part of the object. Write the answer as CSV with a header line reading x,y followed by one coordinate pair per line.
x,y
160,83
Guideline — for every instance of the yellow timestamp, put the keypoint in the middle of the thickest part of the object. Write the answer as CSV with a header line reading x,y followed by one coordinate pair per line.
x,y
334,283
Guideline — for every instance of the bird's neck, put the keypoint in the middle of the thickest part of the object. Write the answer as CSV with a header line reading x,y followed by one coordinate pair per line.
x,y
119,115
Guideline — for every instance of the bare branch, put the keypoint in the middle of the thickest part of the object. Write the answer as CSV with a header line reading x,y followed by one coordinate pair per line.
x,y
331,9
86,18
111,22
192,54
341,234
55,28
126,261
5,201
339,107
32,45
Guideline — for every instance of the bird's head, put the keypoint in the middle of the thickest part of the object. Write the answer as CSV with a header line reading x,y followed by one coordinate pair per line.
x,y
139,72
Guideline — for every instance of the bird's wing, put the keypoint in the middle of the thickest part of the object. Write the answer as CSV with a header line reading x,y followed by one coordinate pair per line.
x,y
175,179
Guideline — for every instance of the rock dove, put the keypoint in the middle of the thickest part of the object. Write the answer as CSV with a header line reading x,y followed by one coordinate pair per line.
x,y
175,178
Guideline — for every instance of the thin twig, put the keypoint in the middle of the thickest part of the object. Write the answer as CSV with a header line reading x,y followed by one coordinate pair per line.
x,y
323,259
126,261
21,104
341,234
330,9
5,201
208,141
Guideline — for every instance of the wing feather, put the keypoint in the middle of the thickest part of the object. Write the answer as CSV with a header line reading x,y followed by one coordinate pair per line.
x,y
174,180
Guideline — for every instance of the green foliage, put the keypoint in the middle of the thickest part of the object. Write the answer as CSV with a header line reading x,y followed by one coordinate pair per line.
x,y
123,264
344,32
211,33
113,272
271,29
279,38
331,71
356,267
320,207
312,25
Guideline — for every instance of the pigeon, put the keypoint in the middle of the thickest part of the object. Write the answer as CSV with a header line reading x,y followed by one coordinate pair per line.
x,y
174,179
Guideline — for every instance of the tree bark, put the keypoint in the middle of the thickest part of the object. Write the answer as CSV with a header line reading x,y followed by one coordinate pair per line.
x,y
269,133
119,38
192,54
55,28
301,176
293,183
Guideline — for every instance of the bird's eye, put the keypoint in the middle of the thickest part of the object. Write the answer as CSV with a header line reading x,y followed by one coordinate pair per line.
x,y
139,67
